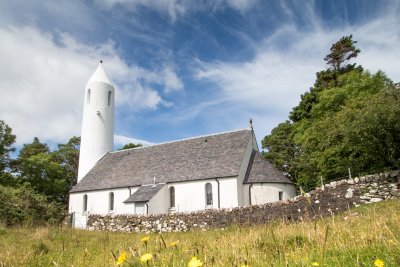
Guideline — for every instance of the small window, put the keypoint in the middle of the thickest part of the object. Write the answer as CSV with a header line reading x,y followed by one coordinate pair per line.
x,y
88,96
280,195
111,201
109,98
172,197
209,195
85,200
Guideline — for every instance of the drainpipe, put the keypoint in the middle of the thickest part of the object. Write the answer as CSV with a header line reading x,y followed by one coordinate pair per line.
x,y
216,179
251,185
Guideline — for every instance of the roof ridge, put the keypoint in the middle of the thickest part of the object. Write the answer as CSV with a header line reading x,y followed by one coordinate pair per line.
x,y
181,140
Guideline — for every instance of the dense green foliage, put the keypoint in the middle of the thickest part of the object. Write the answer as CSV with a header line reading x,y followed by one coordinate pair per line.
x,y
7,139
34,186
23,206
131,145
349,119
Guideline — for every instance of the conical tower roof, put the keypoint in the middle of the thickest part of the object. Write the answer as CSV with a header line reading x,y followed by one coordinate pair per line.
x,y
99,75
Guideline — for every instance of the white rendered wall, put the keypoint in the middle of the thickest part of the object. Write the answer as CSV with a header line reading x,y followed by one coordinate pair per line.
x,y
191,196
269,192
251,145
160,202
98,202
97,137
228,191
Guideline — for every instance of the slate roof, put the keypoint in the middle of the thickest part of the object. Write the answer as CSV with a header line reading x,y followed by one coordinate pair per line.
x,y
261,170
144,193
212,156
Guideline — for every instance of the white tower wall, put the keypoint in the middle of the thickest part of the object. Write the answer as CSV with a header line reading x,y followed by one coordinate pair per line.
x,y
97,137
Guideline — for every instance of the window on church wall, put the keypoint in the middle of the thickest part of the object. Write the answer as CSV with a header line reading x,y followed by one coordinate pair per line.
x,y
209,195
280,195
85,201
172,197
111,201
88,96
109,98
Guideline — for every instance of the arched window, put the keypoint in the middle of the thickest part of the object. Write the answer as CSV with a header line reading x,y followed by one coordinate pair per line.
x,y
111,201
109,98
172,197
88,96
85,200
209,195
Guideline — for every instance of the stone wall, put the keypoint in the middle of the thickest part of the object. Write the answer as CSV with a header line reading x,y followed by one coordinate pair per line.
x,y
333,198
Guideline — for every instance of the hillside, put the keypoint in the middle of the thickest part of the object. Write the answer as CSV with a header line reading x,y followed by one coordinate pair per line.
x,y
358,237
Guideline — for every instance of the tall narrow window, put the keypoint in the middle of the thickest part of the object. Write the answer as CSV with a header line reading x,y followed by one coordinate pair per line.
x,y
109,98
172,197
111,201
88,96
84,208
209,195
280,195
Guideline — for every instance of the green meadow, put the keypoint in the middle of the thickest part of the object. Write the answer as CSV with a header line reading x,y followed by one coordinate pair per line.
x,y
365,236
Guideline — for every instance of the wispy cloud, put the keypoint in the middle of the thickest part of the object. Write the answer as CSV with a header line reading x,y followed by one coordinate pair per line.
x,y
42,77
121,140
285,63
179,8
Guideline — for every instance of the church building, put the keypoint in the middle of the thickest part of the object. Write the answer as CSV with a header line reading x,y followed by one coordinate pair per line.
x,y
222,170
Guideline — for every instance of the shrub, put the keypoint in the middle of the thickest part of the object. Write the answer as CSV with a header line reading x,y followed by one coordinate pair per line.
x,y
23,205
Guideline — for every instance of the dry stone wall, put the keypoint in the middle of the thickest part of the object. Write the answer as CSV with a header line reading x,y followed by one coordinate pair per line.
x,y
333,198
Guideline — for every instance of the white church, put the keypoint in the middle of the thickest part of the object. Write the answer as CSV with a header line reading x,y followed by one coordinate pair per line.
x,y
223,170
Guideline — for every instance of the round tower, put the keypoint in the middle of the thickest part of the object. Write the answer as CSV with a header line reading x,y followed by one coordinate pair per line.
x,y
97,137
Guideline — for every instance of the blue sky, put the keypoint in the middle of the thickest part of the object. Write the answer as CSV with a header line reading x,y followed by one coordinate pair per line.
x,y
180,68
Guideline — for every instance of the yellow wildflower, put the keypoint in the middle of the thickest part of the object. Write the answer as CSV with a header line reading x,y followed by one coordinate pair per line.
x,y
145,239
173,244
379,263
146,257
315,263
121,258
194,262
244,265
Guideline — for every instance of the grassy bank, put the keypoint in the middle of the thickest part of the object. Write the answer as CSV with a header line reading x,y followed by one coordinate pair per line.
x,y
358,237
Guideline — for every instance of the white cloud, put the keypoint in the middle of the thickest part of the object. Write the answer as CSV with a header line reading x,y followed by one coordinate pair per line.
x,y
121,140
171,80
41,83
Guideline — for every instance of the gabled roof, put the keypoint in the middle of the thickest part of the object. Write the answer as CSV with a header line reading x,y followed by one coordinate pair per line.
x,y
144,193
261,170
213,156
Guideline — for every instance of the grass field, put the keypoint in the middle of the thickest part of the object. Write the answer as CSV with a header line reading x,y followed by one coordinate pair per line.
x,y
364,236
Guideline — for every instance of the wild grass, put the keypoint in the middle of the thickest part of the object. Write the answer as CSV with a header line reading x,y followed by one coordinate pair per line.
x,y
358,237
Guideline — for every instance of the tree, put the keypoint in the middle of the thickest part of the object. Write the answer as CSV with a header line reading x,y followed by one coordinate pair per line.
x,y
43,170
354,125
341,52
7,140
130,145
32,149
68,157
45,175
349,118
280,148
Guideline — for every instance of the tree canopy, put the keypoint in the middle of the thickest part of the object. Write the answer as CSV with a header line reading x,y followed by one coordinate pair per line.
x,y
131,145
348,119
34,186
7,140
